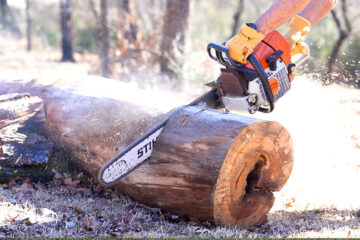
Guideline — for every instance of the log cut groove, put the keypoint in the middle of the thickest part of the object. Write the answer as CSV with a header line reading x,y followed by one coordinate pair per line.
x,y
207,165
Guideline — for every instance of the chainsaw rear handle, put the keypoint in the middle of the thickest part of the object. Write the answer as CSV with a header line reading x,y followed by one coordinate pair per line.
x,y
226,60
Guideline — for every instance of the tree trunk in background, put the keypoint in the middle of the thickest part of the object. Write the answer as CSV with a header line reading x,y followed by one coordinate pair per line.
x,y
3,8
237,15
124,5
104,39
66,32
127,24
102,35
28,26
344,33
173,37
8,21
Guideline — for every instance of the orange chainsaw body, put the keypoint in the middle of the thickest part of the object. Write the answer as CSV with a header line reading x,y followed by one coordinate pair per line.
x,y
273,42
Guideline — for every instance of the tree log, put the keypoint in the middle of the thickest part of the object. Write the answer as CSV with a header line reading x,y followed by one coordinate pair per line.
x,y
24,151
207,165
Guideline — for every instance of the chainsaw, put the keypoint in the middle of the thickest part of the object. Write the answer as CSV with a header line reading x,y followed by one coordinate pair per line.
x,y
252,87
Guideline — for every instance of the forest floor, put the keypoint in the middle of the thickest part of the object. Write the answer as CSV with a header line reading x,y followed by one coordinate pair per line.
x,y
321,198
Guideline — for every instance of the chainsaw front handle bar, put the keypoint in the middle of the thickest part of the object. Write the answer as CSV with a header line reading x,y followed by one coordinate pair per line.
x,y
219,55
222,55
265,82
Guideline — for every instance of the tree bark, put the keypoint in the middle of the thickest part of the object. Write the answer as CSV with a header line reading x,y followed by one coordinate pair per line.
x,y
66,31
102,34
8,21
24,151
237,15
28,26
104,39
173,38
207,165
3,9
344,33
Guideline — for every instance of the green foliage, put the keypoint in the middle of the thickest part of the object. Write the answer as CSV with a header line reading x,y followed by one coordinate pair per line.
x,y
12,21
322,38
86,39
45,19
210,23
49,34
353,48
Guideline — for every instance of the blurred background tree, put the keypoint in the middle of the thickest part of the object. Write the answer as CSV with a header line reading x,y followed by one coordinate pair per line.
x,y
66,31
28,25
147,40
173,38
237,17
8,20
102,34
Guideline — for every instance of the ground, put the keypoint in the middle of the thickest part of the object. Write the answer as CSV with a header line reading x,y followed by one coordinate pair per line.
x,y
321,198
63,208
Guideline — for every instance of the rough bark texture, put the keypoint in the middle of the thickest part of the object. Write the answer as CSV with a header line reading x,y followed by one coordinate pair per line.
x,y
24,151
173,36
207,165
66,31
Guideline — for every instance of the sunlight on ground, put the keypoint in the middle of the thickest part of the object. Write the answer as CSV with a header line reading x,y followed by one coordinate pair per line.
x,y
13,210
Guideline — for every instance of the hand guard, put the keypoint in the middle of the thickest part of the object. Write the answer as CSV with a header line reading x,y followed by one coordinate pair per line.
x,y
243,44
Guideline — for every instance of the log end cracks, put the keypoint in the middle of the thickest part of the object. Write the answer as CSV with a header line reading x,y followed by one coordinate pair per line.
x,y
258,162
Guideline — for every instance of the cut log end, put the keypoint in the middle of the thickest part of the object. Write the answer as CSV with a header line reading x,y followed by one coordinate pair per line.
x,y
258,162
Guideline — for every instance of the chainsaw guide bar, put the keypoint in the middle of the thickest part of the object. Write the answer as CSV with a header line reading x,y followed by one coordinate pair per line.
x,y
133,156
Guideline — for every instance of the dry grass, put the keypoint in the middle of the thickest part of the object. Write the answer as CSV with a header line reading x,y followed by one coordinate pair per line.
x,y
60,210
321,198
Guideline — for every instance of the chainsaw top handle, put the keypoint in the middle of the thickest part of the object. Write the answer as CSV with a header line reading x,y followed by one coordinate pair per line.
x,y
222,55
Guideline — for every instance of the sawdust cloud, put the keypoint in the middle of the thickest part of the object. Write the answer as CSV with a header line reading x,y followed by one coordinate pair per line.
x,y
324,124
